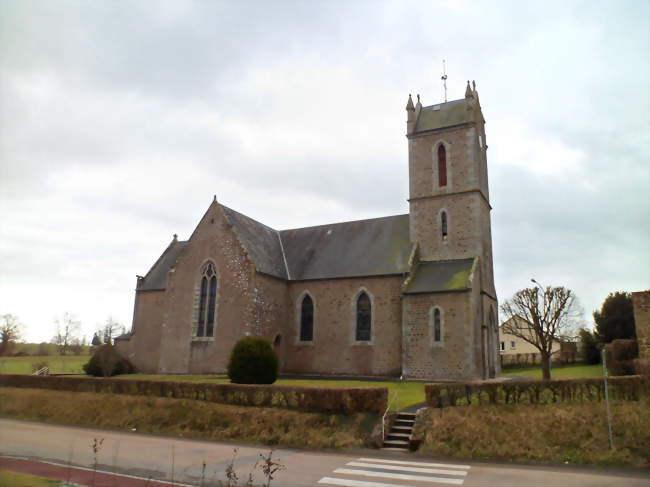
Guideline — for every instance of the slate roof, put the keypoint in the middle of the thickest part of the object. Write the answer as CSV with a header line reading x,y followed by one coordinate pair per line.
x,y
448,114
262,243
375,247
441,276
156,278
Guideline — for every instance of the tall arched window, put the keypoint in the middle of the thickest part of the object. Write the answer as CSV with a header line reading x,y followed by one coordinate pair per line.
x,y
443,225
364,318
437,325
207,301
442,165
307,319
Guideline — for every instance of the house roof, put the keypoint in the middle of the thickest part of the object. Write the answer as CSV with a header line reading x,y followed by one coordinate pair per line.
x,y
447,114
156,278
449,275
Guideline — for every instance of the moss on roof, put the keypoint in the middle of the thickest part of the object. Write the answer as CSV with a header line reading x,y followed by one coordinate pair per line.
x,y
450,275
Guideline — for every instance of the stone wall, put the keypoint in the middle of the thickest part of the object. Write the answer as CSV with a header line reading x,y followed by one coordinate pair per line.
x,y
452,358
334,349
641,301
143,347
236,312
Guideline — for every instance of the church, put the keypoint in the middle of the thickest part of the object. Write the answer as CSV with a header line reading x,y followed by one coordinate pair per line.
x,y
404,295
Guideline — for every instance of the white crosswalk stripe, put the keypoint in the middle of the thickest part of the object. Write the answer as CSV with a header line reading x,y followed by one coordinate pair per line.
x,y
401,476
376,470
407,468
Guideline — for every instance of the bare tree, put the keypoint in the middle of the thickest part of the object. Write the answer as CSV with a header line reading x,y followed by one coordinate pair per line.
x,y
110,330
541,316
10,332
67,329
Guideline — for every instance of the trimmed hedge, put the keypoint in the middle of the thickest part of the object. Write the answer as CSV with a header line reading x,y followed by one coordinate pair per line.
x,y
346,400
629,388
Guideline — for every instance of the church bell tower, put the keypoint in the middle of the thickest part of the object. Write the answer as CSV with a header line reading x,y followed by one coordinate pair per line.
x,y
449,199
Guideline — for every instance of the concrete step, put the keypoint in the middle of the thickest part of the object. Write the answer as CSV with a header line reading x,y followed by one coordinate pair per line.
x,y
406,416
404,429
403,443
403,422
398,436
389,448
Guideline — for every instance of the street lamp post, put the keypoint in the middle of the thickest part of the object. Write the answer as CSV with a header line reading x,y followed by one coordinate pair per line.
x,y
542,289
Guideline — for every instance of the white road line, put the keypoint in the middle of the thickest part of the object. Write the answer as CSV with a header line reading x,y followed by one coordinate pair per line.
x,y
356,483
461,473
415,464
399,476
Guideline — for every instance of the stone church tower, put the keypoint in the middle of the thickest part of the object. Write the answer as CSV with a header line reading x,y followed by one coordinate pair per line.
x,y
449,221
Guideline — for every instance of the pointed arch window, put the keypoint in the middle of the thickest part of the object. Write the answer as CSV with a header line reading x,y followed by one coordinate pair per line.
x,y
443,225
307,319
442,165
207,301
364,318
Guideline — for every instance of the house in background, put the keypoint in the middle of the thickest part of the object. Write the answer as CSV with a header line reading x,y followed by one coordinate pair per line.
x,y
515,350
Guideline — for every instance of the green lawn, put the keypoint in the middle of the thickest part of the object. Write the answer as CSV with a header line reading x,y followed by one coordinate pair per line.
x,y
12,479
58,364
574,371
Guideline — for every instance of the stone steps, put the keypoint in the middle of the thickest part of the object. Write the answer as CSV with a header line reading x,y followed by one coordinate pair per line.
x,y
399,436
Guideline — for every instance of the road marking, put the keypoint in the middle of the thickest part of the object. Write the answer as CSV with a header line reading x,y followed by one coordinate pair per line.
x,y
398,470
399,476
356,483
415,464
461,473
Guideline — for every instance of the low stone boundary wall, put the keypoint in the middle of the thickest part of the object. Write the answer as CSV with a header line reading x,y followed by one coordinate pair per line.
x,y
535,392
309,399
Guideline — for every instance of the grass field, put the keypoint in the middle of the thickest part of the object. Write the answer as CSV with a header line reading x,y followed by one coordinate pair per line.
x,y
12,479
573,371
58,364
562,433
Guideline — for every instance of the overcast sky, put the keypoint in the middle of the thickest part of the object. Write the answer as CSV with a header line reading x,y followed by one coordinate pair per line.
x,y
120,120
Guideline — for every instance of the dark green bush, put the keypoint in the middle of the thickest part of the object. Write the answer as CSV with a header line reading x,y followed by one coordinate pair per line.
x,y
253,361
106,362
621,355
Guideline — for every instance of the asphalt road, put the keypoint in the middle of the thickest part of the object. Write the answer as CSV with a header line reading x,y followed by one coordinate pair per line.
x,y
154,457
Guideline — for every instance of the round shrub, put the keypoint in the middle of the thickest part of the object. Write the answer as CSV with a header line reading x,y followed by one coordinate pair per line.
x,y
106,362
253,361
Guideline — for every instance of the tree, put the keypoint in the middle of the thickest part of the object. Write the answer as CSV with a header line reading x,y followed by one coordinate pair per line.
x,y
96,342
67,329
111,330
541,316
615,320
10,332
590,347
